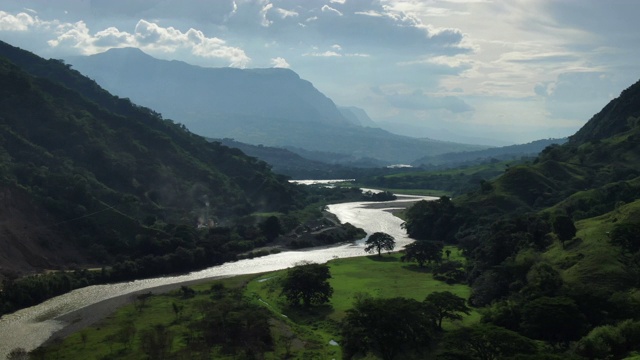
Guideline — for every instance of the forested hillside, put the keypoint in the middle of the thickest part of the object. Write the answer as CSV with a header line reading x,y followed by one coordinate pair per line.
x,y
89,179
552,245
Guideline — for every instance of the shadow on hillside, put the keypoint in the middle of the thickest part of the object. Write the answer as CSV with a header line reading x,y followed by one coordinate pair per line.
x,y
572,244
382,258
307,315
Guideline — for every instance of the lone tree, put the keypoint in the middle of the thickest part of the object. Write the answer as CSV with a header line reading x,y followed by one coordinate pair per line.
x,y
445,305
380,241
423,251
565,229
309,283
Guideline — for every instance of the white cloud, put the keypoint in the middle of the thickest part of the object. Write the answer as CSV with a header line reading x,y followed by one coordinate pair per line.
x,y
280,62
369,13
338,1
19,22
286,13
263,14
327,8
327,53
151,37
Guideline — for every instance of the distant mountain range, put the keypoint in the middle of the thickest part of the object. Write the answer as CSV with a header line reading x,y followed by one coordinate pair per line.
x,y
273,107
511,152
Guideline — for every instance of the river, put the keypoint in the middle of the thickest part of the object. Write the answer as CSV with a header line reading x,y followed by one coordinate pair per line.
x,y
29,328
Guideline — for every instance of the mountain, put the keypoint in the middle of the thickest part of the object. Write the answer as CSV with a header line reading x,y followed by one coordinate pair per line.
x,y
192,94
357,116
272,107
287,162
87,177
616,117
510,152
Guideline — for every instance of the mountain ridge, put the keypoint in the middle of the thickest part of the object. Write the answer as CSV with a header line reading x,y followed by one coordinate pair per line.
x,y
76,160
273,107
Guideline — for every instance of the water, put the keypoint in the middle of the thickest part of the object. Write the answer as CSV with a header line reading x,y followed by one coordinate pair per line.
x,y
29,328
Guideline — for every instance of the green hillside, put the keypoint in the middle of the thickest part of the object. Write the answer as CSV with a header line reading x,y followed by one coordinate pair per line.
x,y
553,246
89,180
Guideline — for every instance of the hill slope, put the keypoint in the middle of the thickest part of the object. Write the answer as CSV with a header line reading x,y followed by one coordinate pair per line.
x,y
558,233
74,165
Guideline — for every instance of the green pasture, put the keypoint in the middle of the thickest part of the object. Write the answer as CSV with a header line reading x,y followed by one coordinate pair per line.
x,y
305,333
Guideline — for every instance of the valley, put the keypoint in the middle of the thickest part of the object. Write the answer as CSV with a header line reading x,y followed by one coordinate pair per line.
x,y
163,192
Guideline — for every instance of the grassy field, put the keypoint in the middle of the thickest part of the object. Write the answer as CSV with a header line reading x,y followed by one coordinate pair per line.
x,y
589,258
306,333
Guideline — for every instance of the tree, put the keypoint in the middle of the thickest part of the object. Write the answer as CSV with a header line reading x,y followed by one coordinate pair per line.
x,y
554,319
446,305
156,342
387,327
423,251
380,241
308,283
271,228
487,342
627,236
436,220
565,229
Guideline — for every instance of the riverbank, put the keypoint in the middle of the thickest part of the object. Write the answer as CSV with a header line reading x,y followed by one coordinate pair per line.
x,y
92,314
31,327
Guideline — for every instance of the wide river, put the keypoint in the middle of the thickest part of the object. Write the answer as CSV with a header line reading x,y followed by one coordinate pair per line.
x,y
29,328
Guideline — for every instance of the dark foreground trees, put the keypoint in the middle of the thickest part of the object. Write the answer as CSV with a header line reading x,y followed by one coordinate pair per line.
x,y
423,251
485,342
380,241
386,327
446,305
307,283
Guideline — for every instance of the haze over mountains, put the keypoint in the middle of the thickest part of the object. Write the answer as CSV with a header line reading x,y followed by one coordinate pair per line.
x,y
272,107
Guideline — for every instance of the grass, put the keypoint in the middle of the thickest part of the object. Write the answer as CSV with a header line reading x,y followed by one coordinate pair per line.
x,y
589,258
305,333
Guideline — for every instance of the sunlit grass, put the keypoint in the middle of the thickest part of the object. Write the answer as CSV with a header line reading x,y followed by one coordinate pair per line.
x,y
312,329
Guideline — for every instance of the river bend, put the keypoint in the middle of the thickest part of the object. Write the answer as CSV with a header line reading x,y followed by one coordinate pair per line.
x,y
29,328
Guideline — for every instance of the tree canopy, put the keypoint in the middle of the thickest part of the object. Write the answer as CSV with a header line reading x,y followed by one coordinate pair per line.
x,y
380,241
423,251
386,327
307,283
446,305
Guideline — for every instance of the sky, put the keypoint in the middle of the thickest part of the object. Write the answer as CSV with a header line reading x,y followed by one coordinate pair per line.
x,y
491,72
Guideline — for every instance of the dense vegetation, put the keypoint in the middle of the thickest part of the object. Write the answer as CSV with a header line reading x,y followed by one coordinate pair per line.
x,y
211,320
551,246
94,181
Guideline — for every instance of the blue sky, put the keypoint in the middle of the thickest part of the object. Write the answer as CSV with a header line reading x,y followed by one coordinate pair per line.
x,y
481,71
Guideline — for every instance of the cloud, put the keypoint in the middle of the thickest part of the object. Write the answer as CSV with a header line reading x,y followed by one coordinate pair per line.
x,y
327,53
286,13
19,22
151,37
327,8
263,14
280,62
